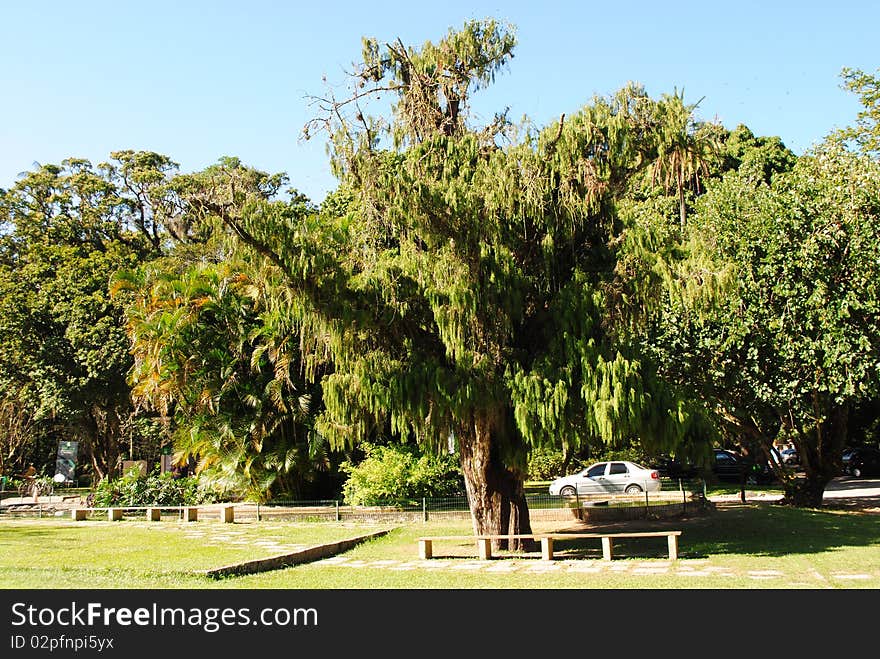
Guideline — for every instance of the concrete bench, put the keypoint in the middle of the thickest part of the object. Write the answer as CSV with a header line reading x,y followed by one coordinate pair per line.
x,y
608,539
153,513
484,542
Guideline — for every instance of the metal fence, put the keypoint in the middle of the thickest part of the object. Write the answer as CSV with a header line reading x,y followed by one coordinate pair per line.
x,y
675,497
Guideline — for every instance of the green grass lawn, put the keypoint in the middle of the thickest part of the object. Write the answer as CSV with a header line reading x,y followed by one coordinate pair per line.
x,y
757,545
51,553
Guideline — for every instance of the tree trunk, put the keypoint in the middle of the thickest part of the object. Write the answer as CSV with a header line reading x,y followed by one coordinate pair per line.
x,y
805,492
100,429
495,492
820,453
682,207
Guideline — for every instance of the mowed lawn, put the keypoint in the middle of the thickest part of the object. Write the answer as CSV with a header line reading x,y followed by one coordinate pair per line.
x,y
756,545
48,553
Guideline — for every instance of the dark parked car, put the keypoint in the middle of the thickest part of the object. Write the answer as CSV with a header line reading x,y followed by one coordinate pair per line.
x,y
728,466
673,468
860,462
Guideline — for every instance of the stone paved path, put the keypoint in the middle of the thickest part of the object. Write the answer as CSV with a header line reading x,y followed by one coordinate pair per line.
x,y
232,537
691,569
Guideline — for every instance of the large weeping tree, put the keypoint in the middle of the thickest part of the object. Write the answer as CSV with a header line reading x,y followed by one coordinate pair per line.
x,y
463,281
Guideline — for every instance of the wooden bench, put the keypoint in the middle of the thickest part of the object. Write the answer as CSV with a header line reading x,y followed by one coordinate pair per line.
x,y
484,542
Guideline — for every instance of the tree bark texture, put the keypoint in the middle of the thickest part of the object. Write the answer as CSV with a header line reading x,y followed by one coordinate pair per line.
x,y
495,492
100,428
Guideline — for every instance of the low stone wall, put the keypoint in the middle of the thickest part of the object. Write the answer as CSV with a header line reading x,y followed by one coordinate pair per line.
x,y
622,513
294,558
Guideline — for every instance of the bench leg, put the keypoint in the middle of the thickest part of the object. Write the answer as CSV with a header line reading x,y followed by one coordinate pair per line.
x,y
547,549
114,514
425,549
190,514
228,514
78,514
154,514
607,549
484,548
672,540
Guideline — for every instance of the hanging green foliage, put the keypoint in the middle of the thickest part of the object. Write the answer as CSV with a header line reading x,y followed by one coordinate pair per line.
x,y
463,281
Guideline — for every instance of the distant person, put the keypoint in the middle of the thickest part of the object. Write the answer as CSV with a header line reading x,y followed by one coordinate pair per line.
x,y
30,477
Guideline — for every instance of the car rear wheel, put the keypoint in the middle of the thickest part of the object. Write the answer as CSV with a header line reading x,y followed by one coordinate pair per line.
x,y
856,472
633,489
567,491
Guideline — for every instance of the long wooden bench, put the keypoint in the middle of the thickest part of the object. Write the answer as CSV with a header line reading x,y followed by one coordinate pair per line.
x,y
153,513
484,542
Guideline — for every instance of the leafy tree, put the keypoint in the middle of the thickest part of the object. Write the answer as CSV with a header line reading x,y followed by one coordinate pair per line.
x,y
66,231
17,427
148,201
63,353
756,158
866,132
215,353
462,281
685,149
791,345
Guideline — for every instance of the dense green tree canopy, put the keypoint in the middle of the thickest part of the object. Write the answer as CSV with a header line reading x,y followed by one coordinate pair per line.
x,y
622,275
215,354
66,231
63,351
462,281
792,343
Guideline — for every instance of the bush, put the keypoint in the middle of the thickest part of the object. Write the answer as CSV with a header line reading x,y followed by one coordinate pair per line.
x,y
629,454
548,463
399,474
134,489
545,464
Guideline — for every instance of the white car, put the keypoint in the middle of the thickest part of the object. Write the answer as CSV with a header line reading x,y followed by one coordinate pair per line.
x,y
608,478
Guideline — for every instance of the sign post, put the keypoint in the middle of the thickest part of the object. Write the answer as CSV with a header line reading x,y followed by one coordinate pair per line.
x,y
65,462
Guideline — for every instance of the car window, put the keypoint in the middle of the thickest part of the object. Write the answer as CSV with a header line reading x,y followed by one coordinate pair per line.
x,y
596,470
724,458
618,468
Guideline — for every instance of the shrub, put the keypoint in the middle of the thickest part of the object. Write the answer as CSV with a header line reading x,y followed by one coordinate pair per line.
x,y
548,463
398,474
133,489
630,454
545,463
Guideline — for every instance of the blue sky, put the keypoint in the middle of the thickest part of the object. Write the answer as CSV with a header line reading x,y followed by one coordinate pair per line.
x,y
197,80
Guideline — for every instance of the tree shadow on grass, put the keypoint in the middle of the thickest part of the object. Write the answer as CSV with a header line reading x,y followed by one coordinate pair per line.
x,y
772,530
758,529
17,533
